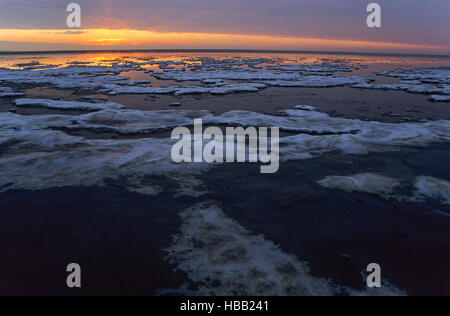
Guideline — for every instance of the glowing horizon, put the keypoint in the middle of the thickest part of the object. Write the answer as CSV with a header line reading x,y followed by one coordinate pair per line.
x,y
101,38
407,26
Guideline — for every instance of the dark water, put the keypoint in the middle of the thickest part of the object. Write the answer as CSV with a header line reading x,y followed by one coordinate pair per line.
x,y
117,236
325,226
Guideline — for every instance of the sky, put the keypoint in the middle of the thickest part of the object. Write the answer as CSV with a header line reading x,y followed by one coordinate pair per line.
x,y
408,26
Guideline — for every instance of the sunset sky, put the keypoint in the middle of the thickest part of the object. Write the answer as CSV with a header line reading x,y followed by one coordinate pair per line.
x,y
410,26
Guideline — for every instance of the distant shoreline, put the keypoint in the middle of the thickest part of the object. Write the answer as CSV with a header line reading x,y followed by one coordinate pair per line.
x,y
7,53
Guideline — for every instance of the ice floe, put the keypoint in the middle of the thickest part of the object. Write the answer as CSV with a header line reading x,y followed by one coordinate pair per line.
x,y
135,122
306,107
318,81
357,137
440,98
325,68
364,182
66,105
35,65
412,87
177,90
432,188
213,81
434,81
423,188
9,92
271,78
72,77
228,63
40,159
226,259
430,75
316,131
35,148
212,73
119,121
36,155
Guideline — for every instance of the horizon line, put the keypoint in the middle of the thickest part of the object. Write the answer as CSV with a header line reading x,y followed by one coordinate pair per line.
x,y
231,50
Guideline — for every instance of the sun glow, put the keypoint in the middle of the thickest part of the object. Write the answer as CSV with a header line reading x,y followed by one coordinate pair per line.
x,y
107,41
139,39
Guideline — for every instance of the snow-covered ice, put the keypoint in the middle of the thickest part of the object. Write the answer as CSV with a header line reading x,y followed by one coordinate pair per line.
x,y
72,77
364,182
425,75
212,247
318,81
434,81
37,149
272,78
440,98
325,68
212,75
423,188
432,188
177,90
40,159
9,92
66,105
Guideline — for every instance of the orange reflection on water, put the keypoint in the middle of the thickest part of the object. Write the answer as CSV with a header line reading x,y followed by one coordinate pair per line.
x,y
117,58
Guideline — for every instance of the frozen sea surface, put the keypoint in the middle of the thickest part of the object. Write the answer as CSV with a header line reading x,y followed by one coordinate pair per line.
x,y
86,174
